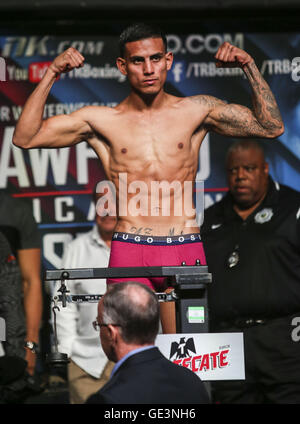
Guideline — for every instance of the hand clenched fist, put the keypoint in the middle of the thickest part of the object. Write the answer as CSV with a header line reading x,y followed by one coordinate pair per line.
x,y
66,61
230,56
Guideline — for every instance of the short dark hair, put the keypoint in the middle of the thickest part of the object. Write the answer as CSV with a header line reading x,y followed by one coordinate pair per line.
x,y
135,308
245,144
140,31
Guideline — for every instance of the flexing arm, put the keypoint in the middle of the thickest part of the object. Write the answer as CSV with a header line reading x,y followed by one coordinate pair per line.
x,y
236,120
59,131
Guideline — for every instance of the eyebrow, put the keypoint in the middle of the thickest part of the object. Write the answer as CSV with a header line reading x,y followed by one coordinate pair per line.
x,y
250,165
159,54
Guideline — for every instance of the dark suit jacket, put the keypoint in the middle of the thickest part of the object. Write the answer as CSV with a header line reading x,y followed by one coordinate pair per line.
x,y
149,378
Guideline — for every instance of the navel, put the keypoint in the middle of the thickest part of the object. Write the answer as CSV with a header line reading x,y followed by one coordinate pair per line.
x,y
124,150
180,145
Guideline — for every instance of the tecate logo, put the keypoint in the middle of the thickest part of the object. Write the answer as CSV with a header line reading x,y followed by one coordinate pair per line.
x,y
208,361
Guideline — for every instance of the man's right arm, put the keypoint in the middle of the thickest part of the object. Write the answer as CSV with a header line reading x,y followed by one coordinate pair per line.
x,y
233,120
59,131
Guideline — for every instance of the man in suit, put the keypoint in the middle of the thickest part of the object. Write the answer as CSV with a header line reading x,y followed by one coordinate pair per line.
x,y
128,317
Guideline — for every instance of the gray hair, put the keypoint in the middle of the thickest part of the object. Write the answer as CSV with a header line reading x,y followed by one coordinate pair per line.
x,y
135,308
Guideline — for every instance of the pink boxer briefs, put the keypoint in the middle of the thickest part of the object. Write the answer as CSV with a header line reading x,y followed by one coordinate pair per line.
x,y
134,251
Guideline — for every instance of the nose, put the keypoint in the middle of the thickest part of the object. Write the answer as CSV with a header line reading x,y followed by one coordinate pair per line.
x,y
148,67
240,173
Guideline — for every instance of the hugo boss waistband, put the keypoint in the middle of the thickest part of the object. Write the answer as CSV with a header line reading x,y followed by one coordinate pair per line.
x,y
157,240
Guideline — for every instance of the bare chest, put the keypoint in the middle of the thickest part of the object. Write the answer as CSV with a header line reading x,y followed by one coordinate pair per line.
x,y
149,138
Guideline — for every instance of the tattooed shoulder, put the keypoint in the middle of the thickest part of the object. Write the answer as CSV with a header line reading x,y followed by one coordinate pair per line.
x,y
207,101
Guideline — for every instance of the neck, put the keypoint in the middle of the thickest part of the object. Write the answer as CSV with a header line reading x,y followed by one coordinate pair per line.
x,y
124,349
243,211
142,101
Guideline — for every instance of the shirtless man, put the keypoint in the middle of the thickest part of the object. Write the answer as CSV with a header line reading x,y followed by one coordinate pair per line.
x,y
150,136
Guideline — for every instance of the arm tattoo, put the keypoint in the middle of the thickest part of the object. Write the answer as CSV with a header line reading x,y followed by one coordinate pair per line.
x,y
208,102
239,121
264,104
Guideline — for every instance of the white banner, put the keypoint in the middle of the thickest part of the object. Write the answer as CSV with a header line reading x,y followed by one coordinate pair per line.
x,y
212,356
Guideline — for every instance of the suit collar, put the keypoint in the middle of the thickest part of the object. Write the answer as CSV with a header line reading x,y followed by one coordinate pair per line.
x,y
149,354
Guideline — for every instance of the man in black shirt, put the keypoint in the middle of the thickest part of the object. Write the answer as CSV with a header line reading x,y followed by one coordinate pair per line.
x,y
21,296
252,243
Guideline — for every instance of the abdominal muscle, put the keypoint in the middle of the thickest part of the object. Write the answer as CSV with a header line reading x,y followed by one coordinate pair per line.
x,y
152,166
148,206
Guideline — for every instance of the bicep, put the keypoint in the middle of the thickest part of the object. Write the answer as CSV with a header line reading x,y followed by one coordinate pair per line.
x,y
62,131
234,120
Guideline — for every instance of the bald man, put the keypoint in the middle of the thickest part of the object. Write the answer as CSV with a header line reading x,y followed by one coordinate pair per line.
x,y
252,243
128,317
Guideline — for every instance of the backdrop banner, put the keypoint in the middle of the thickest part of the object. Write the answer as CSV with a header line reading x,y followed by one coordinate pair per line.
x,y
58,182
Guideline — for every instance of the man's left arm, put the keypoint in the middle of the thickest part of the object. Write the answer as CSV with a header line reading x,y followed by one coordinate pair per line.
x,y
29,262
263,120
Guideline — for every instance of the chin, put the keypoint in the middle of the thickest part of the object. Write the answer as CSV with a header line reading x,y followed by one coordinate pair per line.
x,y
243,202
150,91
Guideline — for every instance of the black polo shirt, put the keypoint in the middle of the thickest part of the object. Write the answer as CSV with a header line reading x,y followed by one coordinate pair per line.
x,y
266,280
17,223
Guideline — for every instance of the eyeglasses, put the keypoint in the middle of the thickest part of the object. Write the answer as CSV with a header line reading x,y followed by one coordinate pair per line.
x,y
98,326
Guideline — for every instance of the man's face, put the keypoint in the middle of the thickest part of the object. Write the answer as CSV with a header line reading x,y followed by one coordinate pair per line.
x,y
106,219
105,336
247,174
146,64
106,224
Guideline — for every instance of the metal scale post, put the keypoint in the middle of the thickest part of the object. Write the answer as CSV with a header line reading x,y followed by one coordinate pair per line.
x,y
190,293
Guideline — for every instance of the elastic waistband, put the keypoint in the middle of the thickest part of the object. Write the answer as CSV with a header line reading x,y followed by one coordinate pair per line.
x,y
157,240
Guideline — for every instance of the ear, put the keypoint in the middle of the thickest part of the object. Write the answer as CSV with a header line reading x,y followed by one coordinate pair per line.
x,y
266,168
169,58
121,64
113,332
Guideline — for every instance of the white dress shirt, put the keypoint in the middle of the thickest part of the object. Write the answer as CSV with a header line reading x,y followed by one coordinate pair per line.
x,y
76,335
